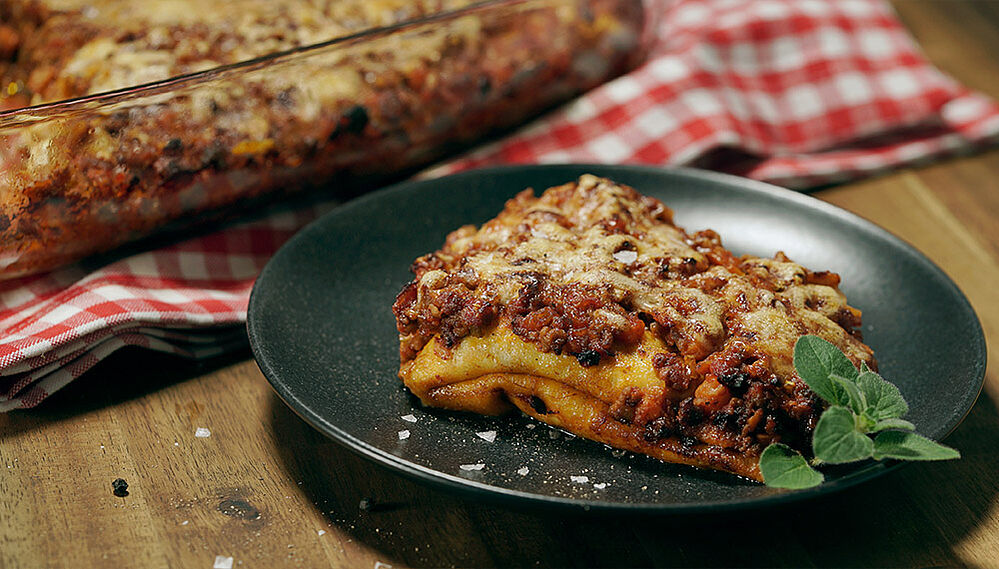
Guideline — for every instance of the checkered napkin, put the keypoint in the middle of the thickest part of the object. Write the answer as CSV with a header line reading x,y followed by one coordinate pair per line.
x,y
796,92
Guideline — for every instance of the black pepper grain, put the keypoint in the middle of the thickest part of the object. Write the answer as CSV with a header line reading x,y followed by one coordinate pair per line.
x,y
173,146
355,119
588,358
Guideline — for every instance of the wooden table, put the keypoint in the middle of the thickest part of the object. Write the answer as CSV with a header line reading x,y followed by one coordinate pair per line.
x,y
268,491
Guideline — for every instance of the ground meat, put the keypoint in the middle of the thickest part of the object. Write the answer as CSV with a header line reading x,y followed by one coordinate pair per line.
x,y
566,319
675,371
453,310
623,409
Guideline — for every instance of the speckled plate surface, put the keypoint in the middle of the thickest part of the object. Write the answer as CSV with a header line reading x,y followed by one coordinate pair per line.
x,y
322,331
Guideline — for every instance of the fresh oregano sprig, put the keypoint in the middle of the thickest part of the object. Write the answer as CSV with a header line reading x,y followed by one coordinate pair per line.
x,y
864,420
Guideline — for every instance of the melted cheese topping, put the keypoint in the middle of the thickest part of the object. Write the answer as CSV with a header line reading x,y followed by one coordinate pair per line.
x,y
564,236
140,41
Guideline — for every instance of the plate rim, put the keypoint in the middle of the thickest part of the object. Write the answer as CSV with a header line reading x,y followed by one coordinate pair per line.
x,y
467,487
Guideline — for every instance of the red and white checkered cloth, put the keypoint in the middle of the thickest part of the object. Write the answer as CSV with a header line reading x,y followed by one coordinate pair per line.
x,y
795,92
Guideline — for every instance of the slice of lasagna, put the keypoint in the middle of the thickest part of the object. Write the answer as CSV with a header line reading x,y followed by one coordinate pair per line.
x,y
589,310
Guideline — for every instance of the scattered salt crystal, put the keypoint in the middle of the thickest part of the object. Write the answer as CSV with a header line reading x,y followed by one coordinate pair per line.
x,y
531,425
523,471
203,433
176,444
185,522
409,418
478,466
580,479
488,436
222,562
626,257
321,532
380,565
403,435
600,485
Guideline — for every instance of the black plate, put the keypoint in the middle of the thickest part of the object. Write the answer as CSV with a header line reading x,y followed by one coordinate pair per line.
x,y
322,330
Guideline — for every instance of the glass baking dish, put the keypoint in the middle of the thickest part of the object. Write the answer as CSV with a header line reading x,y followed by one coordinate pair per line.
x,y
86,175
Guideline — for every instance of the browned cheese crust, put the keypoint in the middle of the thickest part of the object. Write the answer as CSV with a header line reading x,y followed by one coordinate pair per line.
x,y
83,182
588,309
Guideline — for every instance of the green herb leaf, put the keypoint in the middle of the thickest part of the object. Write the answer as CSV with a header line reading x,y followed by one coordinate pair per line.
x,y
783,467
884,400
861,404
852,397
892,424
816,360
836,439
905,445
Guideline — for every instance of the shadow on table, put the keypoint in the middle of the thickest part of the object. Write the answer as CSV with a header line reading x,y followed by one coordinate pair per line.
x,y
129,373
909,517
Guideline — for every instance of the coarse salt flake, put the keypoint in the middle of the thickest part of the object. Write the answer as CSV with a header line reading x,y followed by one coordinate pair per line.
x,y
488,436
222,562
478,466
321,532
580,479
409,418
185,522
626,257
600,485
202,433
403,435
380,565
523,471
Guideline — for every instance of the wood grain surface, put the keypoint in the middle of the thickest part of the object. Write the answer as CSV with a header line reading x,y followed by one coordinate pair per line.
x,y
268,491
